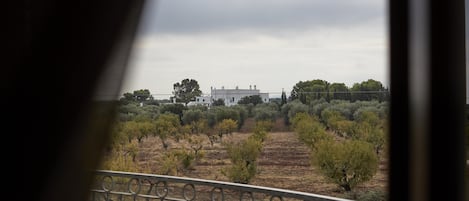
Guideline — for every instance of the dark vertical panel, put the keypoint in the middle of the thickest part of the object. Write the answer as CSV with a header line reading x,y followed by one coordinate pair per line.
x,y
447,62
467,97
445,129
64,47
399,129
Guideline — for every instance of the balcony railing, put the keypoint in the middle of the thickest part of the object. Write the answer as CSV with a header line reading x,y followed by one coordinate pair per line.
x,y
113,185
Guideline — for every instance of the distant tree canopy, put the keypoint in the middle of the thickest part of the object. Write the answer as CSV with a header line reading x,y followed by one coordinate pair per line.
x,y
174,109
369,90
290,109
311,90
192,115
140,95
218,114
186,91
254,99
266,112
218,102
339,91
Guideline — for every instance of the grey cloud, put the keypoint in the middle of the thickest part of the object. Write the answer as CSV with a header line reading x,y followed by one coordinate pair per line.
x,y
182,17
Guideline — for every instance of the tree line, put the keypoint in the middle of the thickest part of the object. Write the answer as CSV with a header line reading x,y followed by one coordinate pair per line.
x,y
305,91
308,91
314,110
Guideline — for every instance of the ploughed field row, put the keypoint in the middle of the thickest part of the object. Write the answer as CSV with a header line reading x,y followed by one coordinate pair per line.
x,y
283,163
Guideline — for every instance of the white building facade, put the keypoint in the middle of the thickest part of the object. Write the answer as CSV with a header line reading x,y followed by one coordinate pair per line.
x,y
201,100
230,96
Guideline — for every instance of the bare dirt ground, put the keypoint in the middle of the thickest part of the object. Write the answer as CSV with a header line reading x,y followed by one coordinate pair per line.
x,y
284,163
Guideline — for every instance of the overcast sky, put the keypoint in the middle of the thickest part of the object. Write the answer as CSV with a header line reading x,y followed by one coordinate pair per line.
x,y
269,43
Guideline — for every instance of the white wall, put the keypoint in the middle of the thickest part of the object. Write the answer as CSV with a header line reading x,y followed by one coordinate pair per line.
x,y
229,94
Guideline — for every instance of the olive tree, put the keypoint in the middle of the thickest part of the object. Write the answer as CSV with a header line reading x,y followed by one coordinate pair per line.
x,y
290,109
227,126
243,157
309,130
167,125
346,163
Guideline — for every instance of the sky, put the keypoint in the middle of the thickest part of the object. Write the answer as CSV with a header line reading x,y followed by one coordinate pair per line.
x,y
272,44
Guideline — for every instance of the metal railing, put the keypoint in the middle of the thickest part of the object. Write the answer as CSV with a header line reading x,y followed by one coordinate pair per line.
x,y
114,185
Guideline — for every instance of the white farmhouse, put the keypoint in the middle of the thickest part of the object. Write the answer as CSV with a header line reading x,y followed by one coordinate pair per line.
x,y
201,100
230,96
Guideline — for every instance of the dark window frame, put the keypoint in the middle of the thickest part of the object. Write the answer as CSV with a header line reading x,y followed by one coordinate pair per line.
x,y
57,142
427,143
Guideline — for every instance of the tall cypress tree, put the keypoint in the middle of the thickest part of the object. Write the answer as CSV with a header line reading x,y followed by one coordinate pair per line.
x,y
284,98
